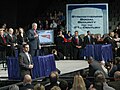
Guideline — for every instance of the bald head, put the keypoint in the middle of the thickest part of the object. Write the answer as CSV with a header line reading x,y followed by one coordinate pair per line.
x,y
27,79
90,59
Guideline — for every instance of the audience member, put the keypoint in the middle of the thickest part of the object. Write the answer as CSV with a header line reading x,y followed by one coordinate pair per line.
x,y
25,62
39,87
53,81
117,40
55,88
63,85
94,66
115,66
115,84
27,83
104,67
100,82
78,83
84,74
14,87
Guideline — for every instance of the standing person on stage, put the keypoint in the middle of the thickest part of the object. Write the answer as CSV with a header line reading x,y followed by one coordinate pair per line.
x,y
77,46
21,39
25,61
33,39
12,41
88,39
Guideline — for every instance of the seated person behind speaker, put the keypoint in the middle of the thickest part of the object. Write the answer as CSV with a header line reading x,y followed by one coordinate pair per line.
x,y
57,55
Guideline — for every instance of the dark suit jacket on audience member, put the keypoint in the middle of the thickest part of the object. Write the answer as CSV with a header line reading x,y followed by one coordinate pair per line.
x,y
94,66
26,87
24,64
115,84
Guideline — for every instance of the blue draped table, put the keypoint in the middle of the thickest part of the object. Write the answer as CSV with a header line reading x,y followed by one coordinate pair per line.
x,y
43,65
99,52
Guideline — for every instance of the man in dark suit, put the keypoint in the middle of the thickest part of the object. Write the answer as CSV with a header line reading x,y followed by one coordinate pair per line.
x,y
25,62
4,46
110,40
33,39
53,77
12,41
94,66
88,39
77,45
115,84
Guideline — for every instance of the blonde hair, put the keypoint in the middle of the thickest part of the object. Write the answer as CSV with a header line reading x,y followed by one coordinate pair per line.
x,y
55,88
78,83
39,87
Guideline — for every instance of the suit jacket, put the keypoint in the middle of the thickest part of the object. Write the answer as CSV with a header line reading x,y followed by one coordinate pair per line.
x,y
2,44
24,64
115,84
33,42
11,40
21,39
86,40
111,41
27,86
94,66
2,41
75,43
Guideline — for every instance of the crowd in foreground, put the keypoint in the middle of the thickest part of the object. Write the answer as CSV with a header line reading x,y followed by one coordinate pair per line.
x,y
96,79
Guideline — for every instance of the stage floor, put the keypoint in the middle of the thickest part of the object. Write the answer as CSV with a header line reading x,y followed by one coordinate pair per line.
x,y
65,66
68,66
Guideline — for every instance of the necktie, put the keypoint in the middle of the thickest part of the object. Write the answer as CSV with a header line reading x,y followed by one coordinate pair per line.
x,y
89,39
35,32
77,40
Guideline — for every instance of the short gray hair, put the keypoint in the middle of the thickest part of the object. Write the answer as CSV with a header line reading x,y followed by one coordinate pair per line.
x,y
33,24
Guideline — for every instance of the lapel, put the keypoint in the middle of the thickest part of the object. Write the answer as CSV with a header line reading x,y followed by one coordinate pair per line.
x,y
26,57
